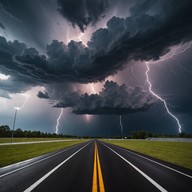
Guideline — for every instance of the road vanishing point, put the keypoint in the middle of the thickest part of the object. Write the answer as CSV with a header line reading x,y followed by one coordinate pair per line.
x,y
94,166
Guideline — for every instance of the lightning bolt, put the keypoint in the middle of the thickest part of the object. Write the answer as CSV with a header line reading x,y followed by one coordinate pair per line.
x,y
58,121
175,52
25,101
121,125
161,99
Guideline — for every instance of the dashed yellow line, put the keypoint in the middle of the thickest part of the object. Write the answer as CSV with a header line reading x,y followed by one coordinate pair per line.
x,y
98,184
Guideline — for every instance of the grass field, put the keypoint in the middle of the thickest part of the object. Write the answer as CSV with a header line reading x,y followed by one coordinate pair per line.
x,y
178,153
15,153
9,140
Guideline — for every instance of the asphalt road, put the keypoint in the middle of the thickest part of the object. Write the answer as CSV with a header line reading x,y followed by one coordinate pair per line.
x,y
94,166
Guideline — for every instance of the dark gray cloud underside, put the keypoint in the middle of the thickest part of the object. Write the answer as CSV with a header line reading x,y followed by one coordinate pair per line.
x,y
113,99
109,111
43,95
82,12
2,26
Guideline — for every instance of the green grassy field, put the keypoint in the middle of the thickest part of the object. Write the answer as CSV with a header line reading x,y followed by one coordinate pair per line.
x,y
9,140
14,153
178,153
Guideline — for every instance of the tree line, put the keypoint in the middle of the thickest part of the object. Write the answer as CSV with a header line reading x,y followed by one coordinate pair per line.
x,y
5,131
141,134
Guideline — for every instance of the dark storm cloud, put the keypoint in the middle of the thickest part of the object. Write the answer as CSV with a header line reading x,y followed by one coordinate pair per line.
x,y
113,99
22,76
43,95
9,51
141,7
32,14
10,87
2,26
69,100
138,37
82,12
57,91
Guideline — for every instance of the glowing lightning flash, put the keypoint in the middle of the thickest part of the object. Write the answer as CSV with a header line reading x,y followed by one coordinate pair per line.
x,y
133,76
25,101
58,119
121,125
161,99
91,85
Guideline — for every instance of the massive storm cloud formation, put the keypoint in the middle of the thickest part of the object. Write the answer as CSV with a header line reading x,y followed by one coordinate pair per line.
x,y
113,99
149,31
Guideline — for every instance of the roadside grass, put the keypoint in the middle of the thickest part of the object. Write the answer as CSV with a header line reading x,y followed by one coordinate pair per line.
x,y
178,153
15,153
9,140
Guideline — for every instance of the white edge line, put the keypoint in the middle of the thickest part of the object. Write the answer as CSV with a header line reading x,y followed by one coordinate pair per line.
x,y
155,162
3,175
33,186
138,170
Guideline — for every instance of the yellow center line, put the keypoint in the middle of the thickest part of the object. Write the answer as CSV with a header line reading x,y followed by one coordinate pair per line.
x,y
101,183
94,185
97,173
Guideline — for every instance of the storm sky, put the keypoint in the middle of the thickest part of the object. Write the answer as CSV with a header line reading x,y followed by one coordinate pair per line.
x,y
89,57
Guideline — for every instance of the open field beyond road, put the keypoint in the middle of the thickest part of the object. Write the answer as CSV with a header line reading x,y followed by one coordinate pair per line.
x,y
178,153
14,153
9,140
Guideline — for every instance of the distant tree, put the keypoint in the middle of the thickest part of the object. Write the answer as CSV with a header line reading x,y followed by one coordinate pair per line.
x,y
5,131
28,134
19,133
141,134
134,135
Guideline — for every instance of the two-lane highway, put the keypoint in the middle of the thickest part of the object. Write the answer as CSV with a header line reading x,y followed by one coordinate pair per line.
x,y
95,166
67,170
